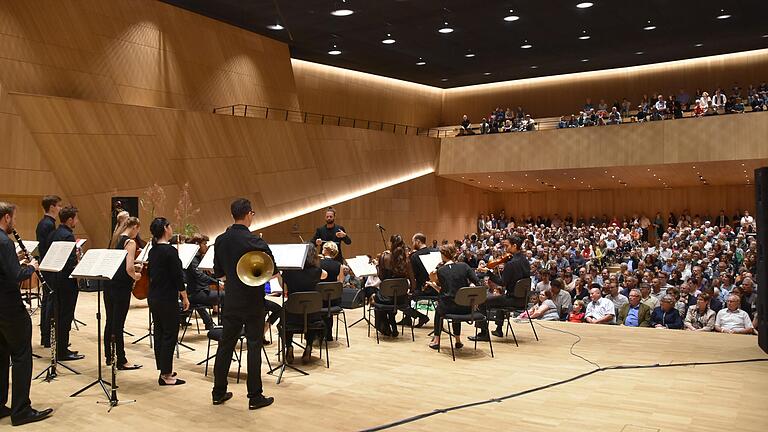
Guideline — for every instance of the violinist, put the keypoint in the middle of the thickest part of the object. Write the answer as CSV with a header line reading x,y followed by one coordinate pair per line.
x,y
515,268
451,276
417,274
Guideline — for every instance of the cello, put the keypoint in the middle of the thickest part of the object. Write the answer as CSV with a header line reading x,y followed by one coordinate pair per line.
x,y
141,286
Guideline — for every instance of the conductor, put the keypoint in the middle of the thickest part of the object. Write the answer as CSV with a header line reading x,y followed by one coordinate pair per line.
x,y
331,232
243,306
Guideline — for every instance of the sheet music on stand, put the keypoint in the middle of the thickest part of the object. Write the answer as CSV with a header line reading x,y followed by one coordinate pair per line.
x,y
431,260
207,262
99,264
144,255
80,243
361,266
187,252
31,245
57,256
291,256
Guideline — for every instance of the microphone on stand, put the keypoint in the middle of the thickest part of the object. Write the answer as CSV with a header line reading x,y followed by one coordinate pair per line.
x,y
380,227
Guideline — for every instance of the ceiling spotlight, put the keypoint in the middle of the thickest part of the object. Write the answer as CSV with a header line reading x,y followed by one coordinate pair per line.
x,y
723,15
585,5
765,36
534,67
341,9
334,50
275,26
388,40
699,45
443,79
640,52
584,35
445,29
584,60
649,26
526,45
511,17
469,55
421,62
486,74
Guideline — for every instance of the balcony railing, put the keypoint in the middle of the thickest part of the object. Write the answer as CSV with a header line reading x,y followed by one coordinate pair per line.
x,y
254,111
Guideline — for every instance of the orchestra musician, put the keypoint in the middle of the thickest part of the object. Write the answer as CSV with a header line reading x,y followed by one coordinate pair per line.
x,y
15,328
65,288
393,264
451,276
117,295
334,271
331,232
417,274
515,269
199,282
243,306
46,226
304,280
166,284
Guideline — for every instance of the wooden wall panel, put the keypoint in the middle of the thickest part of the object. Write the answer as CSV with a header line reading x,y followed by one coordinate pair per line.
x,y
139,52
330,90
565,94
285,168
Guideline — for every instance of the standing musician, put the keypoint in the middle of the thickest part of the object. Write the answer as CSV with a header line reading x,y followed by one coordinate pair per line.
x,y
334,271
244,306
331,232
451,276
15,328
515,269
117,295
199,282
47,225
166,283
303,280
65,289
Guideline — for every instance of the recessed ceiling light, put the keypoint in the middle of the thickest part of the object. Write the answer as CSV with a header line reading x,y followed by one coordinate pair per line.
x,y
486,73
469,55
584,60
420,62
585,5
649,26
334,51
584,35
445,29
640,52
511,17
342,9
526,45
699,45
534,67
723,15
388,40
443,79
275,26
765,36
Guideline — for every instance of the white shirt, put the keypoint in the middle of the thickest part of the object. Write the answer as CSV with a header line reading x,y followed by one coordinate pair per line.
x,y
736,320
601,309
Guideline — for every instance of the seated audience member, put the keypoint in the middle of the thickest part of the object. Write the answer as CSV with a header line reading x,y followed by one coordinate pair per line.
x,y
600,310
700,317
560,297
615,296
666,316
466,126
562,124
580,291
507,126
681,306
528,124
738,107
661,107
649,300
718,102
544,310
732,319
635,313
577,313
614,117
485,127
626,105
748,297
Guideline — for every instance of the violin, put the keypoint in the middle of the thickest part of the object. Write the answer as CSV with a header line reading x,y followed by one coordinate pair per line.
x,y
492,264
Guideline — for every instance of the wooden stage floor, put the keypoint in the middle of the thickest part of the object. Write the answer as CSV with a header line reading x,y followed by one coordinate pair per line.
x,y
369,385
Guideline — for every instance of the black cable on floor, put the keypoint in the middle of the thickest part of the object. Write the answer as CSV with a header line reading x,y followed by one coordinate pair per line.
x,y
554,384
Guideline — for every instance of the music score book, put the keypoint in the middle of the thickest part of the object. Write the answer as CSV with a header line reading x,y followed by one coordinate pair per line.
x,y
361,266
207,262
31,245
431,260
99,264
291,256
57,256
187,252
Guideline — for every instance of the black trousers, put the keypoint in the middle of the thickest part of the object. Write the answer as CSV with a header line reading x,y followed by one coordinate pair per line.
x,y
117,301
254,332
16,345
447,306
45,312
64,300
328,320
165,316
205,298
495,301
297,321
389,317
274,310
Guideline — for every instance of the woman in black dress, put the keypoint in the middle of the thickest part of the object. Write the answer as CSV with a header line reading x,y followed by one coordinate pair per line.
x,y
451,276
335,272
166,283
117,295
304,280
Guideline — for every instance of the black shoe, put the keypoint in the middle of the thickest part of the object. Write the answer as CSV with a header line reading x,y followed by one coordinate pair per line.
x,y
498,332
220,400
406,321
70,357
329,338
422,320
289,355
395,333
31,416
4,411
260,402
481,337
178,381
458,345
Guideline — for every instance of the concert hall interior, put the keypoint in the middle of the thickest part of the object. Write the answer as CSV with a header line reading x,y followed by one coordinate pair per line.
x,y
423,142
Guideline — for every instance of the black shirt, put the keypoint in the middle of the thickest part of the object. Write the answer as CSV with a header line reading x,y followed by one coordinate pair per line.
x,y
44,229
64,233
198,280
166,277
455,276
121,278
515,269
332,267
230,246
11,273
302,280
329,234
420,274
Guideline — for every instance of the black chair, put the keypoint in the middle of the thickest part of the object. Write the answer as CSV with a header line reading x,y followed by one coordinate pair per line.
x,y
304,304
430,299
332,291
470,297
522,295
215,334
397,291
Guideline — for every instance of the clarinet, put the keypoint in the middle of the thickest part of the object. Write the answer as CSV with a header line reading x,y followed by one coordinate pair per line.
x,y
46,287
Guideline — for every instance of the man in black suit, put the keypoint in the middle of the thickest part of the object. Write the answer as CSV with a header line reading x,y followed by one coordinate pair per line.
x,y
52,207
15,328
64,298
331,232
243,306
515,269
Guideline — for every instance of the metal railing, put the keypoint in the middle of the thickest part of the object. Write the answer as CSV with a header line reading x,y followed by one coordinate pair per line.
x,y
255,111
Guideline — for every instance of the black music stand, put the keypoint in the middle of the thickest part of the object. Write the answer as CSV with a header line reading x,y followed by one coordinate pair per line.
x,y
99,380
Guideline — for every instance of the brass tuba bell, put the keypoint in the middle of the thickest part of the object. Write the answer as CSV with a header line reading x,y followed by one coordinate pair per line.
x,y
255,268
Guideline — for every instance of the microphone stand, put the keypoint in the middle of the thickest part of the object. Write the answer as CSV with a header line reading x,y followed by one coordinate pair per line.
x,y
381,231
